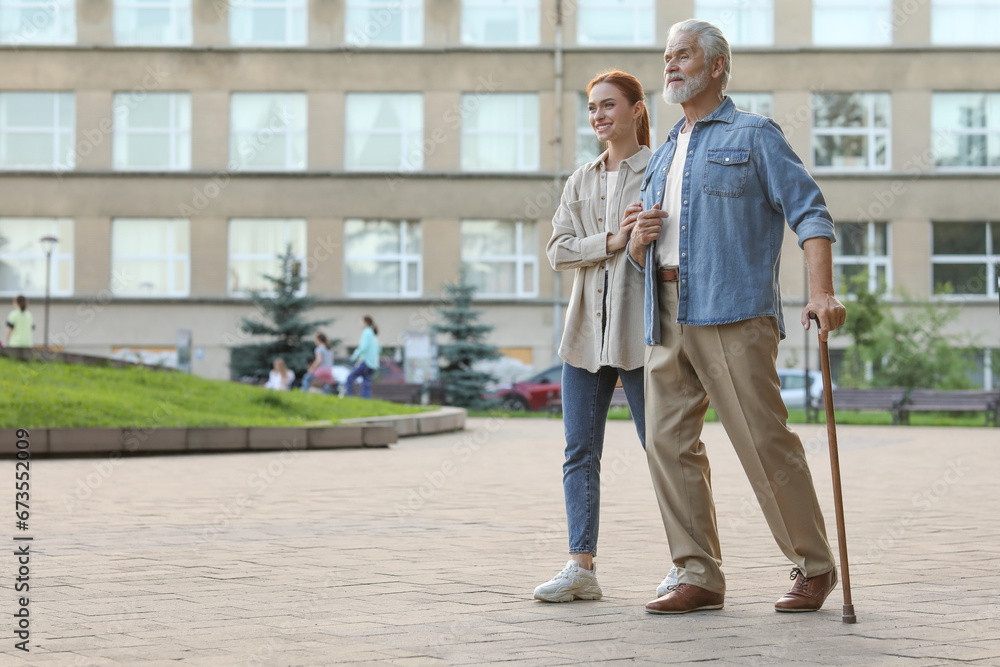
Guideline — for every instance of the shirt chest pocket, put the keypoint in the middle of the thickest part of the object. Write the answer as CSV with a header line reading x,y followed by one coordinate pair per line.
x,y
726,171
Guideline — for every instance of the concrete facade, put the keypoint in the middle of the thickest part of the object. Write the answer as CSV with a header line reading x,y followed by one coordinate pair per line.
x,y
910,195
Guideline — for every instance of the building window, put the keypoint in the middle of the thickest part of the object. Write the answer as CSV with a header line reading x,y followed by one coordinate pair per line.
x,y
852,22
965,22
743,22
965,258
588,147
966,130
37,131
37,22
255,245
615,22
862,249
385,131
760,103
500,22
268,22
153,22
268,131
152,132
384,22
851,131
500,132
22,256
382,258
500,257
150,257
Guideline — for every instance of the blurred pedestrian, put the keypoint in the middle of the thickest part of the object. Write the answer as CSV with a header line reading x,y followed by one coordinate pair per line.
x,y
20,324
321,367
366,355
281,376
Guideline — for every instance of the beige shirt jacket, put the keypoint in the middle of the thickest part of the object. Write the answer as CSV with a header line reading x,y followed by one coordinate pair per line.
x,y
579,241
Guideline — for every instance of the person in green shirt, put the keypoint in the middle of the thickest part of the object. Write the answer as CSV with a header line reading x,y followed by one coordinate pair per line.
x,y
19,324
366,355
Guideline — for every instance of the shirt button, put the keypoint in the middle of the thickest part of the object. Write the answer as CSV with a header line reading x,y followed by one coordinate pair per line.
x,y
598,314
685,201
684,280
602,196
687,173
684,254
683,226
727,159
690,152
601,219
598,291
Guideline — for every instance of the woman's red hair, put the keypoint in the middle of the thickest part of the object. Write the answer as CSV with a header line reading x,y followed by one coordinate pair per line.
x,y
632,90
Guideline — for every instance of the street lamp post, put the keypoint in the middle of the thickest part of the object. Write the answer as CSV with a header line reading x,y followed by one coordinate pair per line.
x,y
48,242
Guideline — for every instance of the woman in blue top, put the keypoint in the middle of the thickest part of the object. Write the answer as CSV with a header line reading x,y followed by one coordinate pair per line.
x,y
366,355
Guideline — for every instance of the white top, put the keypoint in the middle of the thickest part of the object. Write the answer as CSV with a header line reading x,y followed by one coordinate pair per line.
x,y
275,381
612,201
668,247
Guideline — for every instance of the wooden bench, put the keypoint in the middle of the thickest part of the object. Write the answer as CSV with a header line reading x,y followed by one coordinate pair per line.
x,y
398,392
618,400
875,398
932,400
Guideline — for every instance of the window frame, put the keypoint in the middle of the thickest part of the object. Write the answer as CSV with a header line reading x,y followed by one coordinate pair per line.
x,y
402,258
755,97
57,130
526,11
979,27
880,24
638,21
959,131
292,8
519,132
871,132
59,258
64,16
122,107
990,260
171,257
411,11
405,134
520,258
734,29
290,133
288,231
180,25
871,261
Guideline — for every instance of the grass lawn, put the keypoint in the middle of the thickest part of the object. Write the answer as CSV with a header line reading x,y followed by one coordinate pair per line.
x,y
53,395
795,417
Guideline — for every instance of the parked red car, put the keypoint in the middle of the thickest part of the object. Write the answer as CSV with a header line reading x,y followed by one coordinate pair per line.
x,y
533,393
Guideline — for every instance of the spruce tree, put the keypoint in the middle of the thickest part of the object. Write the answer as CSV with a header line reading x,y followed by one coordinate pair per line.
x,y
463,386
288,333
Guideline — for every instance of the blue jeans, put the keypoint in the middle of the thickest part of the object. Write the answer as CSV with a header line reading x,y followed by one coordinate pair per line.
x,y
360,371
586,399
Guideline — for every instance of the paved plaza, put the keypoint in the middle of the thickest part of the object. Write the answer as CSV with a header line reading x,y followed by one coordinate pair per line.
x,y
426,553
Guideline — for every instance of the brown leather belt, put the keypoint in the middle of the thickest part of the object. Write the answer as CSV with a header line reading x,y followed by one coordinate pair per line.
x,y
668,275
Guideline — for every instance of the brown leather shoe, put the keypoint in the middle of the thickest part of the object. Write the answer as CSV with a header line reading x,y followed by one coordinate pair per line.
x,y
683,598
807,594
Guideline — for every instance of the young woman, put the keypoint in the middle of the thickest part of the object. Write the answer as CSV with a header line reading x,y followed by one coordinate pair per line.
x,y
602,338
366,355
281,376
321,367
20,324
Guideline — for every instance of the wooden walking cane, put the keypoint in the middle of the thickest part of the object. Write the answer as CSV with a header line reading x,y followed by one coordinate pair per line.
x,y
838,498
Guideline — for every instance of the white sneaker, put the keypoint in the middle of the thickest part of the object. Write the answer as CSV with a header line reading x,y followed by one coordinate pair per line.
x,y
573,583
671,580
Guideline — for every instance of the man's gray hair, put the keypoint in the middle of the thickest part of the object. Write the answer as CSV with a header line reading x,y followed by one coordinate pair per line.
x,y
711,40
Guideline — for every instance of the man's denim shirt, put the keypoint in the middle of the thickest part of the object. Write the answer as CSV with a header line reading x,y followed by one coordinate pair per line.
x,y
741,182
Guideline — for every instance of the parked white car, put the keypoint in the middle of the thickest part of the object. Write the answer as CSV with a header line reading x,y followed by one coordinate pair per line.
x,y
793,387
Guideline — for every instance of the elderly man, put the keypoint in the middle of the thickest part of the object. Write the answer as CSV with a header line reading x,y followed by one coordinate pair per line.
x,y
716,197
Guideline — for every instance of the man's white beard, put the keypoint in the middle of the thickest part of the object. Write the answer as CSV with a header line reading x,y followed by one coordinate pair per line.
x,y
689,88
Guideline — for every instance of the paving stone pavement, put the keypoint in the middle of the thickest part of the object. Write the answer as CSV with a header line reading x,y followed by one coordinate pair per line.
x,y
427,553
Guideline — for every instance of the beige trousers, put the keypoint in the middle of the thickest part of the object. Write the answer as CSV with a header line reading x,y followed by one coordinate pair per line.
x,y
734,366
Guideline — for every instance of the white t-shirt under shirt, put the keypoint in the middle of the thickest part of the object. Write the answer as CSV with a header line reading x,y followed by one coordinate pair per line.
x,y
668,247
611,209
